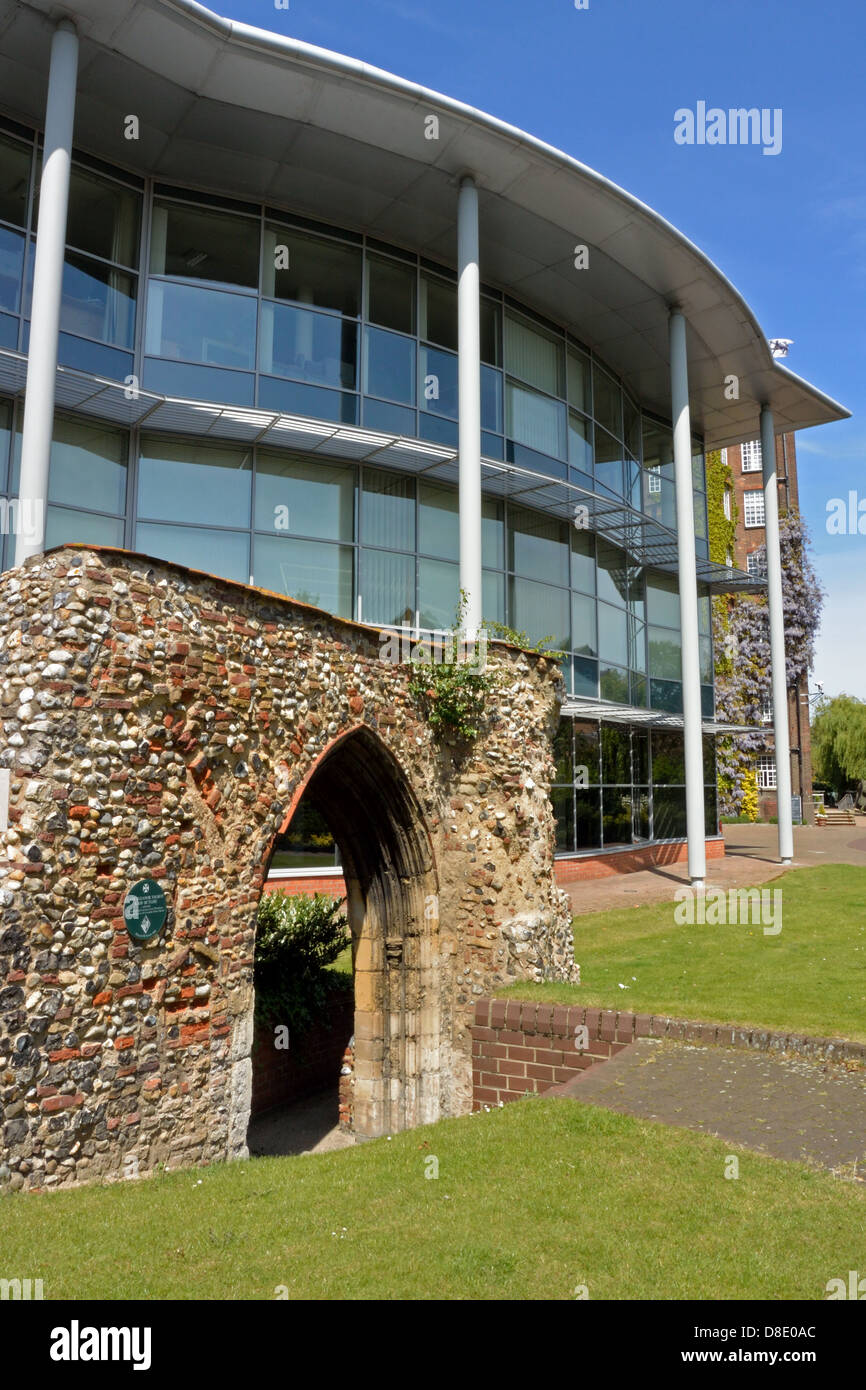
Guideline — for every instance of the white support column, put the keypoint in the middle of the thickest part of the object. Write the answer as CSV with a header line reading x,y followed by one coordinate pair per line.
x,y
469,402
692,717
47,287
781,736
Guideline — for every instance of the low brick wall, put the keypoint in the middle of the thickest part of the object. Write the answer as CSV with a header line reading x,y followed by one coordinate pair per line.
x,y
311,1064
519,1047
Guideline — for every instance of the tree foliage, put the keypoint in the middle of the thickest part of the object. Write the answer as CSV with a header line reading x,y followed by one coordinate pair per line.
x,y
839,743
297,936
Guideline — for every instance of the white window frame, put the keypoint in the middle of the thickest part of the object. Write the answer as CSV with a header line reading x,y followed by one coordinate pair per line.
x,y
754,568
766,770
751,456
754,517
654,484
726,503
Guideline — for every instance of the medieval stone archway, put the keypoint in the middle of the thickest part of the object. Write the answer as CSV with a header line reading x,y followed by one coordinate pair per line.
x,y
159,724
392,907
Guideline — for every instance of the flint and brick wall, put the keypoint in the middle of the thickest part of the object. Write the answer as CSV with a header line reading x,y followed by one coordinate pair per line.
x,y
160,723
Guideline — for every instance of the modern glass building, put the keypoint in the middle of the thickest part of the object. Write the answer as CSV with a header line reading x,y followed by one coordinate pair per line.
x,y
276,355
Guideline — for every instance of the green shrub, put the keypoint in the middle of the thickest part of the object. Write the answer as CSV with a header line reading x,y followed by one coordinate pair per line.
x,y
297,937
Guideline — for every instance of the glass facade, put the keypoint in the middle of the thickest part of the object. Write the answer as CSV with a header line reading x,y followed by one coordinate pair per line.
x,y
221,301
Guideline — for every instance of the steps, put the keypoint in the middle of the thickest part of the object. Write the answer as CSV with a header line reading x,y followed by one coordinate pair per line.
x,y
837,818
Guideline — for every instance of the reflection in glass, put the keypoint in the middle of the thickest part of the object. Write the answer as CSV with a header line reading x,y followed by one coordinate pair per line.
x,y
613,684
663,600
225,553
200,325
616,816
587,807
612,634
198,243
582,560
11,269
612,572
532,354
608,462
583,626
389,366
104,217
388,588
563,813
309,571
438,592
438,311
391,294
665,653
15,160
563,752
538,545
388,511
540,611
88,466
669,813
311,270
607,399
193,482
579,443
98,302
313,347
491,400
579,388
304,497
668,757
438,384
535,421
438,525
63,526
615,753
586,750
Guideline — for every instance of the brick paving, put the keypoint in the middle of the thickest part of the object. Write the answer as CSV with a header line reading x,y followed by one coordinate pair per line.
x,y
789,1107
751,857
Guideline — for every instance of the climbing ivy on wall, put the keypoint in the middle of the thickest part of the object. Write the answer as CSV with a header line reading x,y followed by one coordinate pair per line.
x,y
741,641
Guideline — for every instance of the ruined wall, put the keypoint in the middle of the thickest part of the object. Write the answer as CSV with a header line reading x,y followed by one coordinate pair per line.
x,y
157,723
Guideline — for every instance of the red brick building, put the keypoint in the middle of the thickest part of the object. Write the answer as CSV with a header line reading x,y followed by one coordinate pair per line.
x,y
745,462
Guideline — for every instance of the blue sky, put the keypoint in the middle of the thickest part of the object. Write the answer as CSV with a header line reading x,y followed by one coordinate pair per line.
x,y
789,230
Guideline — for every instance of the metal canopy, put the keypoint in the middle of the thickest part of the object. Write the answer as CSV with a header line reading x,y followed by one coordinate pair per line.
x,y
645,540
233,109
578,707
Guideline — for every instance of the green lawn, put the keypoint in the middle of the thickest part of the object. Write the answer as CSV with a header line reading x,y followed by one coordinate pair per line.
x,y
531,1202
811,978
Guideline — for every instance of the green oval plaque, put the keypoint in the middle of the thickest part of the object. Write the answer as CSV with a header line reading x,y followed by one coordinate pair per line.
x,y
145,910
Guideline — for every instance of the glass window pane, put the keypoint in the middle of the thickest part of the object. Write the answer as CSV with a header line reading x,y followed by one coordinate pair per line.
x,y
640,755
491,332
226,553
388,511
663,600
491,400
579,443
311,270
706,659
15,162
438,525
11,268
493,597
63,526
535,421
607,399
535,356
199,325
658,448
583,560
579,390
98,302
563,751
200,383
613,684
587,815
87,356
492,534
538,545
389,366
631,422
391,289
616,816
665,653
640,803
699,477
540,611
612,634
583,619
5,439
586,752
608,462
203,244
387,588
668,757
667,696
104,217
309,571
563,813
88,466
584,677
299,398
438,593
438,311
305,497
308,346
637,653
615,753
194,482
669,813
612,571
438,385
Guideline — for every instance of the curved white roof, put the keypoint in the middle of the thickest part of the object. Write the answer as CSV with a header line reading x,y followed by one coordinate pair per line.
x,y
261,117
